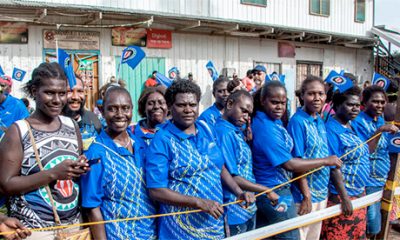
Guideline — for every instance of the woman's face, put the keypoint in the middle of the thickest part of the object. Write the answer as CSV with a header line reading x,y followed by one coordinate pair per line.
x,y
314,97
376,104
275,104
185,110
349,109
118,111
156,108
50,96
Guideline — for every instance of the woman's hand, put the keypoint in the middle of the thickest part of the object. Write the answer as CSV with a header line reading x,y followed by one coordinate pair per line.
x,y
211,207
390,128
248,199
69,169
12,224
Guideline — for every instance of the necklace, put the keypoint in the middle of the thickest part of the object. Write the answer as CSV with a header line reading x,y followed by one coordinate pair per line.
x,y
126,145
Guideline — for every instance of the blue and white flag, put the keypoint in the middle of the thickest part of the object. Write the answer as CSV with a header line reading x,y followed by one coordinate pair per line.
x,y
380,80
163,80
212,71
394,143
132,56
18,74
339,81
275,77
173,73
65,62
1,72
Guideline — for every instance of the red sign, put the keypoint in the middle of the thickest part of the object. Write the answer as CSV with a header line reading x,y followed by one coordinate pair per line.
x,y
159,38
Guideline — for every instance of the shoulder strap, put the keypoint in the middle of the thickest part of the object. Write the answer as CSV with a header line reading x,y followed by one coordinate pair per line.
x,y
78,137
39,163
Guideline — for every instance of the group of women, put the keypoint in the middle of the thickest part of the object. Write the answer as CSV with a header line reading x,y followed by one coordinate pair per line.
x,y
171,162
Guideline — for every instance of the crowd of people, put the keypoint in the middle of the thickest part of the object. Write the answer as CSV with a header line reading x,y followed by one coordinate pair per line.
x,y
63,164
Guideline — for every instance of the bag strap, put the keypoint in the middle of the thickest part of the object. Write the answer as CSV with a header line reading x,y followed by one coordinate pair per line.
x,y
78,136
56,217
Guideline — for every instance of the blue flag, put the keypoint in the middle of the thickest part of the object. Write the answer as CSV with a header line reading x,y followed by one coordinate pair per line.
x,y
65,62
394,143
163,80
339,81
18,74
275,77
1,72
173,73
380,81
211,70
132,56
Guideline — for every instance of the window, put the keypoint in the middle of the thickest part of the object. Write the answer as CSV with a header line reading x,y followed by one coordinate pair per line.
x,y
261,3
320,7
360,11
305,68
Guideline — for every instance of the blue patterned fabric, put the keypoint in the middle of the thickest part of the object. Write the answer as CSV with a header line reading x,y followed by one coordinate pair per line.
x,y
365,127
272,147
310,142
355,168
190,165
210,115
238,161
116,184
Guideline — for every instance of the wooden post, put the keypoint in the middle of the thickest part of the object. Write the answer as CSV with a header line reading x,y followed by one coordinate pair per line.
x,y
388,192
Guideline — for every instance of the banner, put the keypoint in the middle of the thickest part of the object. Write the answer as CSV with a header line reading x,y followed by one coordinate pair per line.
x,y
339,81
212,71
74,40
157,38
163,80
18,74
13,32
380,81
128,36
65,62
132,56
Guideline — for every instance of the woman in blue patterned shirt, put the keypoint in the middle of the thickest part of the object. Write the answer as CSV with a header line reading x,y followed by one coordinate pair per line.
x,y
115,187
185,170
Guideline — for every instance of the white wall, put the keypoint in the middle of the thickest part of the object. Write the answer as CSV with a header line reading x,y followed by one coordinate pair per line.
x,y
191,52
286,13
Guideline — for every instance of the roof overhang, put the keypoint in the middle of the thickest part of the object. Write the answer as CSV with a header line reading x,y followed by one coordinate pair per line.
x,y
64,15
390,34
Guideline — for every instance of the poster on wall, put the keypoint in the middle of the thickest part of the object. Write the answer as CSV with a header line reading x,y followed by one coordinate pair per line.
x,y
157,38
13,32
68,39
128,36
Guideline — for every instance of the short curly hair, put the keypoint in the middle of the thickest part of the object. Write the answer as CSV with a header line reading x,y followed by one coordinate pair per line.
x,y
339,98
181,86
145,95
369,91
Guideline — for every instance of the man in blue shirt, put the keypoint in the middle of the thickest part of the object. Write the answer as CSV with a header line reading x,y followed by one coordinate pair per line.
x,y
220,92
11,108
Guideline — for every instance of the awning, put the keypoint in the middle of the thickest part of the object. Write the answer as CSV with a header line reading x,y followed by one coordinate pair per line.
x,y
390,34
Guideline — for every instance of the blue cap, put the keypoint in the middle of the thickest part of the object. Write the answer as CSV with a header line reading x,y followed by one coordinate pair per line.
x,y
99,102
260,68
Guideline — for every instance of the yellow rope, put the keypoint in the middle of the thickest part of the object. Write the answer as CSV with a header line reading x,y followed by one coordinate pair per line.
x,y
185,212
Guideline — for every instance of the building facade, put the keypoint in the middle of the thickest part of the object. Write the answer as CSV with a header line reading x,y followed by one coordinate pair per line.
x,y
292,37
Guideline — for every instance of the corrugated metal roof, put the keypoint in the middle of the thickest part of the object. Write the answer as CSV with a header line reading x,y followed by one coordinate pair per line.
x,y
391,35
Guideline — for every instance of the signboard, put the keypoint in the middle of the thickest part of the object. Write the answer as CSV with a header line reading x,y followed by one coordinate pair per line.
x,y
128,36
159,38
75,40
13,32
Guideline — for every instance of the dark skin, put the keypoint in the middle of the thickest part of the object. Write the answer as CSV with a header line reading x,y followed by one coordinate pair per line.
x,y
156,110
12,224
185,111
238,113
221,94
374,107
118,114
275,106
50,98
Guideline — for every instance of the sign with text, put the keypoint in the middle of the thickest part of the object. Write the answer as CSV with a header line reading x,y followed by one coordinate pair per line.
x,y
74,40
157,38
13,32
128,36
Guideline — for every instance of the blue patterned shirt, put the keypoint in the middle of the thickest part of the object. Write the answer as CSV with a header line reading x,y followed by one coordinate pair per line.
x,y
238,161
190,165
116,184
355,168
210,115
11,110
272,147
310,142
365,127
